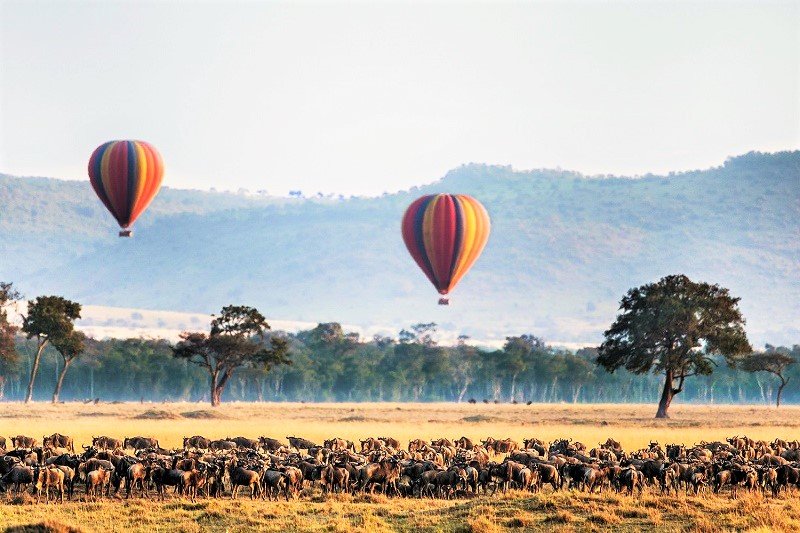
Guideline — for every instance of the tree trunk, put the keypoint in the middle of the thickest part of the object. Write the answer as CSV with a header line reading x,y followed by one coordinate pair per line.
x,y
780,391
60,382
463,391
513,387
666,396
214,396
34,370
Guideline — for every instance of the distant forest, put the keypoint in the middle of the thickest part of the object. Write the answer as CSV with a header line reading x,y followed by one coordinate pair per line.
x,y
329,364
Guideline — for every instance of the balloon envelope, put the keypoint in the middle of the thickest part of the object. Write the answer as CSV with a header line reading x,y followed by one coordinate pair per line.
x,y
445,234
126,175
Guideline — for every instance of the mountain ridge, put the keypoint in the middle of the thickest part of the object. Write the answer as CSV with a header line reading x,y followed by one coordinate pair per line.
x,y
564,248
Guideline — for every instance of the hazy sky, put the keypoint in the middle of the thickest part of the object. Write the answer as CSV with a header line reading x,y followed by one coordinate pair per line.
x,y
372,97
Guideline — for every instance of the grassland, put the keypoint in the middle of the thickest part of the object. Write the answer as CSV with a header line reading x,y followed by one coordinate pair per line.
x,y
633,425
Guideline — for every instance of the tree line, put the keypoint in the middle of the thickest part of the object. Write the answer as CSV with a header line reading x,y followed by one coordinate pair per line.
x,y
666,332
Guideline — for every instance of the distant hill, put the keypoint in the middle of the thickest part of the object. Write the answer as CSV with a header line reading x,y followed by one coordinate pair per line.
x,y
563,250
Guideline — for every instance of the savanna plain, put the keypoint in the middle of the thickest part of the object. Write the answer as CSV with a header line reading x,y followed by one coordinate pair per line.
x,y
632,425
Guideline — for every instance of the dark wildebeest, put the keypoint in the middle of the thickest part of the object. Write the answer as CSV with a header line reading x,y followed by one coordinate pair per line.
x,y
464,443
139,443
274,483
244,443
19,475
630,479
242,477
57,440
197,442
221,445
300,444
161,477
270,445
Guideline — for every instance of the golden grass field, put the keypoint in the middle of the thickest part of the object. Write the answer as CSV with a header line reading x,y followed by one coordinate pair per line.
x,y
633,425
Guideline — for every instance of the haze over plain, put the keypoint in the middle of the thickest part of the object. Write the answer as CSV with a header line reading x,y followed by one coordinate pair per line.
x,y
364,99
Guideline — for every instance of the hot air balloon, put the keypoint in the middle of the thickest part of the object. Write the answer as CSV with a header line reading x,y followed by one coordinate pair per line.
x,y
126,176
445,234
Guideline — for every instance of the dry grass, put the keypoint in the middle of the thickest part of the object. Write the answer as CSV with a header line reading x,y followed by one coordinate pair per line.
x,y
516,511
563,511
633,425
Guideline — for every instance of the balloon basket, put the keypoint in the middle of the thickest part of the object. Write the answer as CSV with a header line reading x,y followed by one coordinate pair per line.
x,y
444,301
126,233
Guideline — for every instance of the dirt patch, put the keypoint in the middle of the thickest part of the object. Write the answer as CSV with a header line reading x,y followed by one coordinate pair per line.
x,y
157,414
480,418
204,414
355,418
48,526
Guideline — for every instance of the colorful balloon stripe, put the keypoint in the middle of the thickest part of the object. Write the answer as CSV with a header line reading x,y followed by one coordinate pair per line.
x,y
445,234
126,176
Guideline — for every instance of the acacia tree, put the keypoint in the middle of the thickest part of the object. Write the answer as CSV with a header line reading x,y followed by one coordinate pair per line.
x,y
237,339
51,319
672,327
772,361
70,347
8,331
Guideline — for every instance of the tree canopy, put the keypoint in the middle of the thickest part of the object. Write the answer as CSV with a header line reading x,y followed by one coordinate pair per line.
x,y
237,339
672,327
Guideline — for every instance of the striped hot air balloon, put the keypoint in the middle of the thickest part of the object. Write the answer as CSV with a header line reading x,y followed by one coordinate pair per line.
x,y
126,176
445,234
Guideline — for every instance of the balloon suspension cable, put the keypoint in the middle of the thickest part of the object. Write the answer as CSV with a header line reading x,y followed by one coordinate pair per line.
x,y
126,233
444,301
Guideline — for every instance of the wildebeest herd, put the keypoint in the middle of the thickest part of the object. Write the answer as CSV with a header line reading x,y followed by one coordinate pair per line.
x,y
269,468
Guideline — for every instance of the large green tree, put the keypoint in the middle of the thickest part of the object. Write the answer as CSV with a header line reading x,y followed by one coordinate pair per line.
x,y
238,338
8,332
672,327
50,319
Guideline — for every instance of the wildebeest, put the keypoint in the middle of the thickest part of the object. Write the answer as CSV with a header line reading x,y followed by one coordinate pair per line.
x,y
244,443
300,443
384,473
57,440
269,444
21,441
274,483
221,445
137,474
139,443
196,442
105,443
46,478
96,481
243,477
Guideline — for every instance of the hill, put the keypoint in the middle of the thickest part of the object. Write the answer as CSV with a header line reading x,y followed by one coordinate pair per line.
x,y
564,248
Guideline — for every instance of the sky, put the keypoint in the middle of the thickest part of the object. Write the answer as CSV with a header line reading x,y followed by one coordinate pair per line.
x,y
373,97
